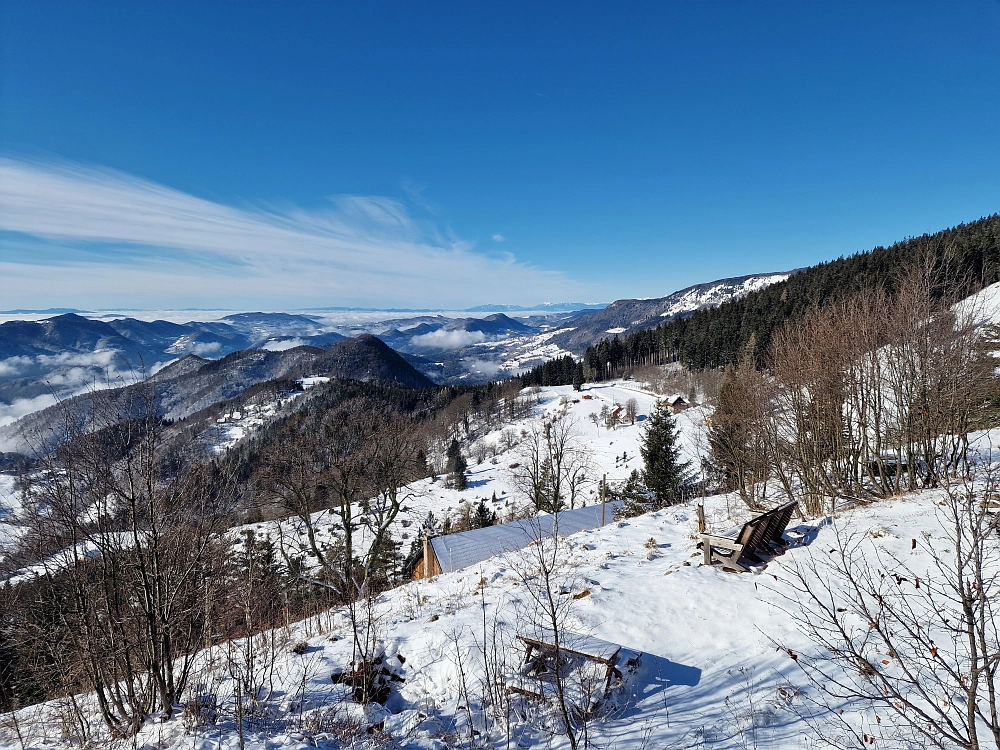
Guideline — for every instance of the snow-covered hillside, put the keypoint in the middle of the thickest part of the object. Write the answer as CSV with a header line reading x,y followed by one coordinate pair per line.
x,y
610,453
714,294
627,315
720,653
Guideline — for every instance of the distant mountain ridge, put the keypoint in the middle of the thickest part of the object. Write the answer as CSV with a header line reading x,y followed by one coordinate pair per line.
x,y
191,383
629,315
541,307
69,351
47,311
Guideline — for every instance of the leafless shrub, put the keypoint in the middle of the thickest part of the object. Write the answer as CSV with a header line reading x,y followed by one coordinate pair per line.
x,y
200,710
554,467
912,652
509,439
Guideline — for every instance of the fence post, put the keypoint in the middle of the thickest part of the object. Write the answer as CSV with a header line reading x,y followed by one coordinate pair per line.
x,y
604,496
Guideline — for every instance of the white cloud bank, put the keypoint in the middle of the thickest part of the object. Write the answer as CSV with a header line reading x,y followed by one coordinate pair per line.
x,y
97,238
10,413
442,339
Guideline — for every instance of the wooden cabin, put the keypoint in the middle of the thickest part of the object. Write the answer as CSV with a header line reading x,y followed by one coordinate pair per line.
x,y
677,403
444,554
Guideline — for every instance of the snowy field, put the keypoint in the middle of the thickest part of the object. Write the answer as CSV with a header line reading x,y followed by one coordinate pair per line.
x,y
716,668
612,453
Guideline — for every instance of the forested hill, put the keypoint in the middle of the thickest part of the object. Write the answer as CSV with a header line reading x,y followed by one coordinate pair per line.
x,y
965,259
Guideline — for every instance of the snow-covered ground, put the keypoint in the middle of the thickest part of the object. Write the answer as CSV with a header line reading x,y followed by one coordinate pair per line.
x,y
10,504
720,292
611,452
711,670
715,670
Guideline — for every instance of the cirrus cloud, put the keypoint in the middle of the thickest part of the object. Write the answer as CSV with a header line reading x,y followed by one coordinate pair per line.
x,y
95,237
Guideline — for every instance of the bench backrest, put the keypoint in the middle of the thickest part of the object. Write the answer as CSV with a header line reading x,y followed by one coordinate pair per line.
x,y
767,527
780,517
753,532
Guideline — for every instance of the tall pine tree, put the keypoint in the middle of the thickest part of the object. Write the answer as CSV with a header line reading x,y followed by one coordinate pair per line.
x,y
664,472
457,466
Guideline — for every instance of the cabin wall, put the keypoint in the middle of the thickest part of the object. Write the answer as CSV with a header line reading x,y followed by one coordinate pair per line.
x,y
428,567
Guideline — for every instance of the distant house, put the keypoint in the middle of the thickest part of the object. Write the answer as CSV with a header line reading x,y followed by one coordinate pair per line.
x,y
445,554
615,416
677,403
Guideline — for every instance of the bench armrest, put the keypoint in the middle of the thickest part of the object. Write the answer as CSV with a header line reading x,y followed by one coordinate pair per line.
x,y
720,541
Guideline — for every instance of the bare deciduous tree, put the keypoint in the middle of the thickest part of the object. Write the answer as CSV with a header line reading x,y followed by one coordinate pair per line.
x,y
136,528
554,466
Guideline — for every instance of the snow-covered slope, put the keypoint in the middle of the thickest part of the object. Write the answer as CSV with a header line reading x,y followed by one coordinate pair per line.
x,y
720,654
627,315
715,293
715,668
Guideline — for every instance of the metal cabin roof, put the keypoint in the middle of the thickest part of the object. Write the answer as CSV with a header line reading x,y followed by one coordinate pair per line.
x,y
456,551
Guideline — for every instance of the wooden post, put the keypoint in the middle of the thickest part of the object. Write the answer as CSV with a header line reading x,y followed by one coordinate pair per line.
x,y
701,503
604,496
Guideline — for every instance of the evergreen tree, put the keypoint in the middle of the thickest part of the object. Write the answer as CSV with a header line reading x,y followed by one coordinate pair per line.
x,y
483,516
426,530
664,472
429,527
387,563
454,451
635,498
458,480
457,466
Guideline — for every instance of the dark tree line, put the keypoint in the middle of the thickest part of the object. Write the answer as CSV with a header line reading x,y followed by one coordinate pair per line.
x,y
961,260
559,371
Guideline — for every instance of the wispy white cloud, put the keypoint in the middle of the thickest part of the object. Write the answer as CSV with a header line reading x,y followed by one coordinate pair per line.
x,y
499,238
96,237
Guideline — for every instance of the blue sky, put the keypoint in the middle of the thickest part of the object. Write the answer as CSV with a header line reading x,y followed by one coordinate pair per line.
x,y
278,155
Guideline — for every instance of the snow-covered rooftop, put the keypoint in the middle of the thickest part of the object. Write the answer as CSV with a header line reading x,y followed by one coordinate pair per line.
x,y
457,551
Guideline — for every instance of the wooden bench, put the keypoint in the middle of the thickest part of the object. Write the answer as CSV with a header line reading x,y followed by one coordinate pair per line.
x,y
749,544
536,678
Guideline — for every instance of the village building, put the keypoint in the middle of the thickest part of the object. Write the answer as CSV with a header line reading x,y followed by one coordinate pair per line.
x,y
677,404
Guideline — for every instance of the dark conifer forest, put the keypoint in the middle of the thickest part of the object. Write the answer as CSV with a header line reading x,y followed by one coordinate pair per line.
x,y
961,261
